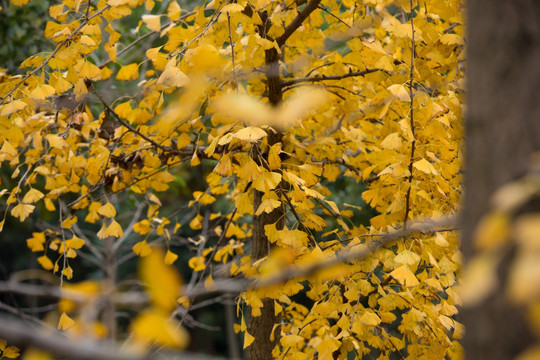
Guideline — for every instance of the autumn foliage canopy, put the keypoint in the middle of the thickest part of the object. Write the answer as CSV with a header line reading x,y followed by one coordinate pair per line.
x,y
313,138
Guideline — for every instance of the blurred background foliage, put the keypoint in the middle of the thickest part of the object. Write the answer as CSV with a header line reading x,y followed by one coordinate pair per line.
x,y
21,31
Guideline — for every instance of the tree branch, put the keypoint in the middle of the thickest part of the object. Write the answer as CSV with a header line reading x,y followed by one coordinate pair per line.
x,y
298,20
17,333
237,286
314,79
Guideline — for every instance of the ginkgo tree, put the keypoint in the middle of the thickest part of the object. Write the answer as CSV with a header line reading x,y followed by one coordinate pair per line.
x,y
281,100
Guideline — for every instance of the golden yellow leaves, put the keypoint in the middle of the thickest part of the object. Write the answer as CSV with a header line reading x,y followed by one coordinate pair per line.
x,y
250,134
405,276
65,322
12,107
286,238
250,111
524,277
163,286
232,8
268,204
128,72
400,92
36,242
41,92
152,21
45,262
107,210
113,229
32,196
267,181
152,327
172,76
10,352
162,281
392,141
87,70
22,211
142,248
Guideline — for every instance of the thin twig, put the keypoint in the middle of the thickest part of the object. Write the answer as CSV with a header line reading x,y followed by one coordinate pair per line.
x,y
297,21
413,144
334,16
300,222
232,51
131,128
314,79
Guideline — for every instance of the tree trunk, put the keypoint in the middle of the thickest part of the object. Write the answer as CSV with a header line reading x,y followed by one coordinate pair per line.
x,y
261,326
502,131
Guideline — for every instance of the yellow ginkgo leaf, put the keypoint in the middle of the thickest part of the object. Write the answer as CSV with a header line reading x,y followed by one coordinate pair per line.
x,y
56,141
45,262
80,89
173,10
35,243
8,149
391,142
114,229
197,263
248,339
152,21
267,206
407,257
232,8
162,281
107,210
172,76
153,327
400,92
370,318
87,70
65,322
250,134
452,39
117,2
404,276
291,340
87,41
267,181
403,30
128,72
142,227
75,243
22,211
142,249
11,352
32,196
12,107
41,92
425,166
19,2
170,257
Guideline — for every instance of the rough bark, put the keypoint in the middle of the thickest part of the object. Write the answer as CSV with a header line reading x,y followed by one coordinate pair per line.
x,y
502,130
261,326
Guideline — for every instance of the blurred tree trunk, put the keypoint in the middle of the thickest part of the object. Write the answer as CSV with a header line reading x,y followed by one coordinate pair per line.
x,y
502,131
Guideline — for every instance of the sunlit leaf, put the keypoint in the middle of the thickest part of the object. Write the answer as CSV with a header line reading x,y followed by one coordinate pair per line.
x,y
162,280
